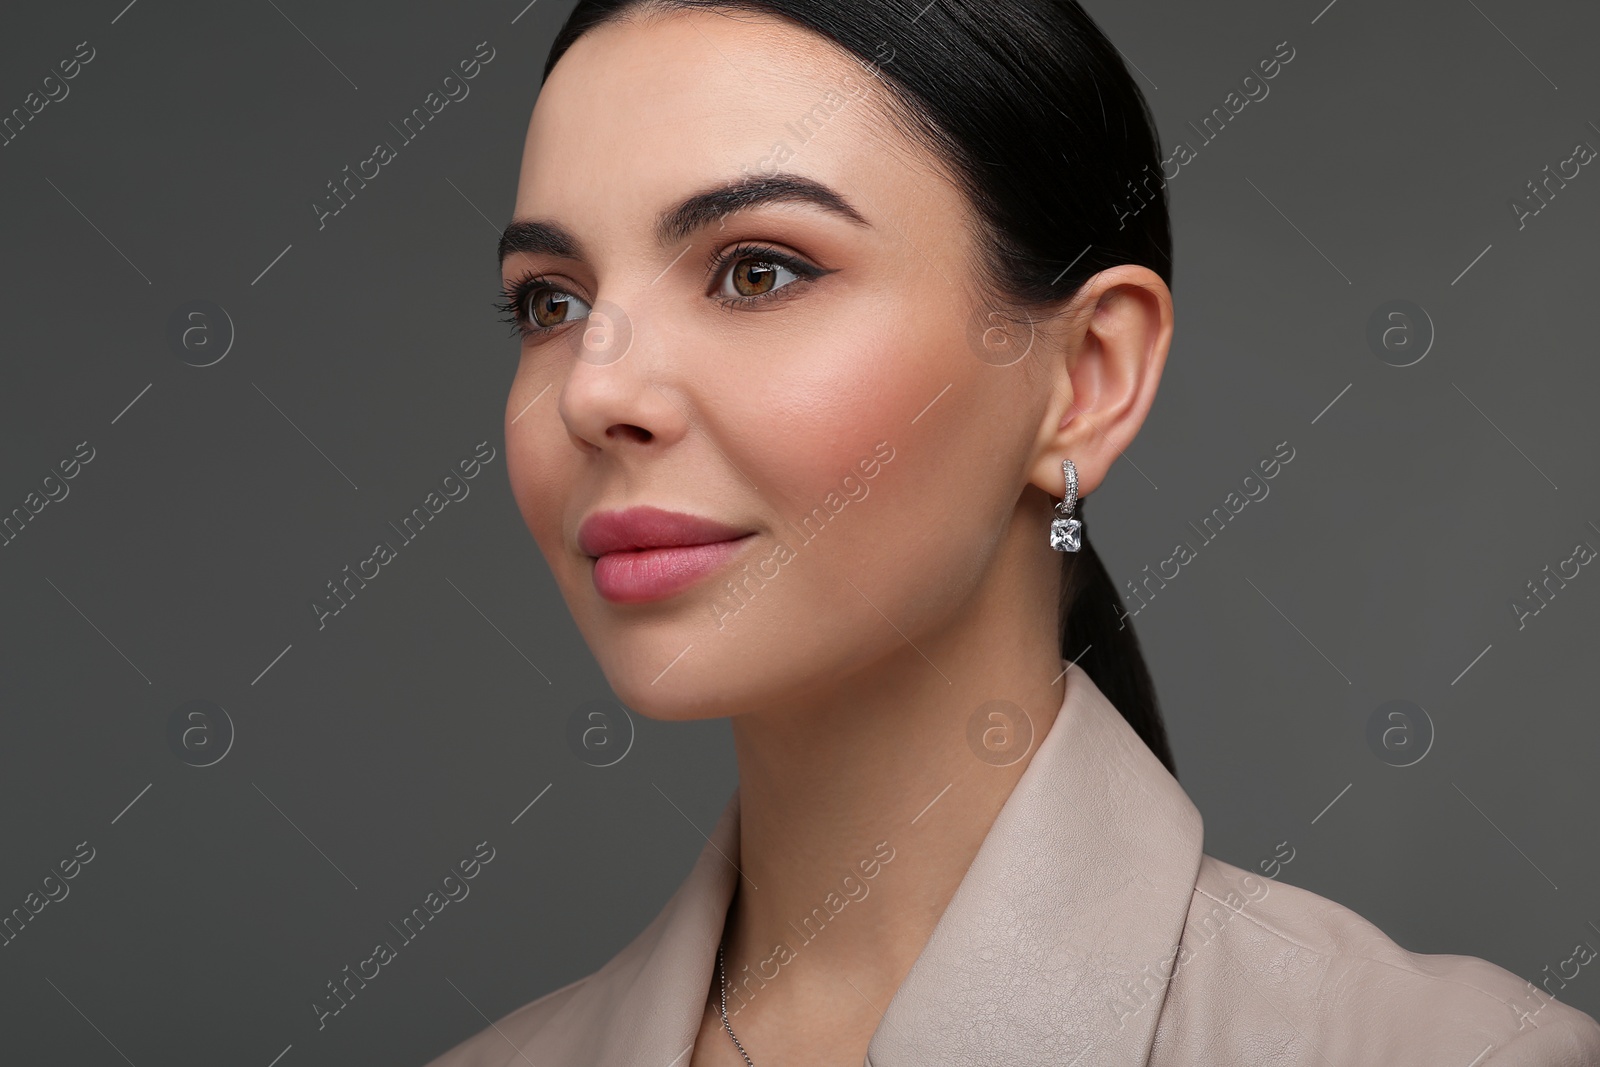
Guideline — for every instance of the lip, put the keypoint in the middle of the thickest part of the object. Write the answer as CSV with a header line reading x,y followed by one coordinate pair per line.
x,y
645,553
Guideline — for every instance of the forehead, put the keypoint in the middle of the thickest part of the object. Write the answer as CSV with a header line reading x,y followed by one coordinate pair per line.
x,y
642,110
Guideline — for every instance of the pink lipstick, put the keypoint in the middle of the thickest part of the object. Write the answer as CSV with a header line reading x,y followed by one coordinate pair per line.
x,y
644,553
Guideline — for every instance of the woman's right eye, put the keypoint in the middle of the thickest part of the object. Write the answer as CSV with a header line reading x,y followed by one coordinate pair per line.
x,y
535,307
546,307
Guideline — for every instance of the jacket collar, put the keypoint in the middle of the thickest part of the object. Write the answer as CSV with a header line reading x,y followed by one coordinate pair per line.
x,y
1049,952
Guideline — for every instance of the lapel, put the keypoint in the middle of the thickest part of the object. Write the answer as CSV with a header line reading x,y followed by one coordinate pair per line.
x,y
1049,952
1080,889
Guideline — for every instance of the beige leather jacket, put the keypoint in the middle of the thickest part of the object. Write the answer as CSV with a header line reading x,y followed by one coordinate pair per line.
x,y
1089,931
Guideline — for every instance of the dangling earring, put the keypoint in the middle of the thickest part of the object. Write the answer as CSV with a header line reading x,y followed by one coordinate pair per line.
x,y
1066,533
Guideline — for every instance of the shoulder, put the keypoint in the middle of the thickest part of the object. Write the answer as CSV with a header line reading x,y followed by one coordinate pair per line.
x,y
498,1044
1280,971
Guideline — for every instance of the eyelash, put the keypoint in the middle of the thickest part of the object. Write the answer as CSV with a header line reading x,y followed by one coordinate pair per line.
x,y
515,294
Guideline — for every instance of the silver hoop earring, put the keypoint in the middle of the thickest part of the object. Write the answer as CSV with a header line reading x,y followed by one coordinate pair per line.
x,y
1066,533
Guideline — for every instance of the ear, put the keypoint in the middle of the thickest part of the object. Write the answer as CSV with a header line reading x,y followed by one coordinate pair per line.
x,y
1111,348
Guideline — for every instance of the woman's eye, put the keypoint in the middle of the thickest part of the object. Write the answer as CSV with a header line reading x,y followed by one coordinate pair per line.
x,y
536,307
546,308
752,277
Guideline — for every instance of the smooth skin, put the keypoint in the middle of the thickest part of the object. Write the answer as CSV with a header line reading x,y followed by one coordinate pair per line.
x,y
851,676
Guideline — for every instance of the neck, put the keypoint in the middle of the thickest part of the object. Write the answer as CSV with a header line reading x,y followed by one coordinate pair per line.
x,y
864,802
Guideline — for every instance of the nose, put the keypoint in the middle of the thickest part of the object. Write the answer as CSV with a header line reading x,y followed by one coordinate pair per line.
x,y
613,395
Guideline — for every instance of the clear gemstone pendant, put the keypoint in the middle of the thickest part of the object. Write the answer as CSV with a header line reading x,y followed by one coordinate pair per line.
x,y
1066,535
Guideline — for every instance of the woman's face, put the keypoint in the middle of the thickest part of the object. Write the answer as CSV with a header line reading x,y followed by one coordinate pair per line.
x,y
820,394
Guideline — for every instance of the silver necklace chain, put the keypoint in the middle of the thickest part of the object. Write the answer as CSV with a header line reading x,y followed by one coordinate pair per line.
x,y
722,974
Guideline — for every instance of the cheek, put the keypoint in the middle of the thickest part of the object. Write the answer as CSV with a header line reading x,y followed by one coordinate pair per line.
x,y
903,399
824,402
892,372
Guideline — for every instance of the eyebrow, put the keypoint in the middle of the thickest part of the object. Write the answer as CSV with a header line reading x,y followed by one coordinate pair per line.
x,y
547,237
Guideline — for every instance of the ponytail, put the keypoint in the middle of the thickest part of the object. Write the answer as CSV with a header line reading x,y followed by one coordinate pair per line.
x,y
1096,635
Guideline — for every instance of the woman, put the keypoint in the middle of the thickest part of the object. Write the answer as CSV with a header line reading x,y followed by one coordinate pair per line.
x,y
826,307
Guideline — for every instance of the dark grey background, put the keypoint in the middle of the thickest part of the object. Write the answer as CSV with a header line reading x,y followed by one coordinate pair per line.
x,y
428,715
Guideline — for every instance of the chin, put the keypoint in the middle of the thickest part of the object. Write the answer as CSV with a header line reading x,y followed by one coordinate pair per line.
x,y
673,664
691,656
689,691
641,650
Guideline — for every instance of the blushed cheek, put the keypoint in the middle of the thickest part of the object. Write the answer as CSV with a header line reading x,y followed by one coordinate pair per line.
x,y
942,426
853,456
837,396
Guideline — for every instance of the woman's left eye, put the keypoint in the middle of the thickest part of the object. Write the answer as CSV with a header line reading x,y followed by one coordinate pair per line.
x,y
753,274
